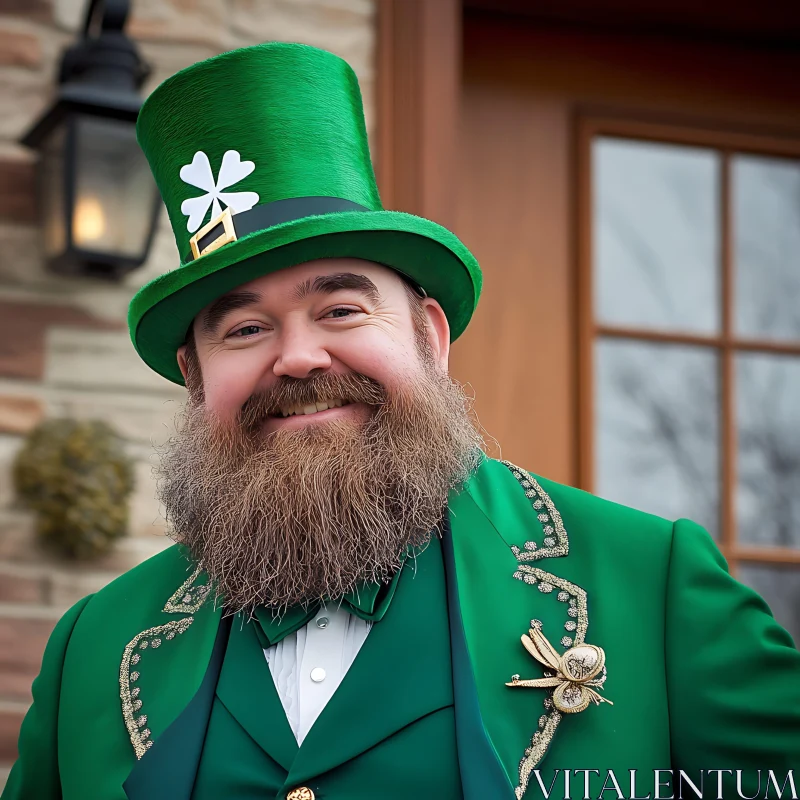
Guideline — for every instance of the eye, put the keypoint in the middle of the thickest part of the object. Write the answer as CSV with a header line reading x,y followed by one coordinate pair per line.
x,y
247,330
341,313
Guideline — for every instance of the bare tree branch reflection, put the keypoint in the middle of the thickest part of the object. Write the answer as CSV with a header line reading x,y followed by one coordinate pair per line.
x,y
767,246
678,425
768,450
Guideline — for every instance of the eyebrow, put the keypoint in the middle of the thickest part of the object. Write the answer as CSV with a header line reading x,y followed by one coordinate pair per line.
x,y
328,284
223,306
323,284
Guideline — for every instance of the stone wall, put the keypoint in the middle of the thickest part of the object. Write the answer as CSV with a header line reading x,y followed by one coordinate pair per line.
x,y
64,347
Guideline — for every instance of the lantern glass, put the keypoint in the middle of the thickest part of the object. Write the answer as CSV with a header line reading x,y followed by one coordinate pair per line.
x,y
52,193
114,192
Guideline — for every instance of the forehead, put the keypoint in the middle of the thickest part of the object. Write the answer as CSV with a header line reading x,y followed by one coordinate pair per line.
x,y
288,279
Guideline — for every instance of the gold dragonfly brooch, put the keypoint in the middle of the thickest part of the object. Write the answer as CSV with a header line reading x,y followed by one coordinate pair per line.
x,y
578,672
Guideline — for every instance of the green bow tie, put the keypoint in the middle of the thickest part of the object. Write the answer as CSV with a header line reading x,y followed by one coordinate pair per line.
x,y
370,601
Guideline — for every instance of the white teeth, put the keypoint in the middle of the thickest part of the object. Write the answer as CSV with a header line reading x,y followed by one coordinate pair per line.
x,y
321,405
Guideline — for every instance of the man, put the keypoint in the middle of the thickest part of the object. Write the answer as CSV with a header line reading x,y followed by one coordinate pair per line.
x,y
360,603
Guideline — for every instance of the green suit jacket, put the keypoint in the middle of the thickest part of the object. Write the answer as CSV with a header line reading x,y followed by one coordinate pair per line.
x,y
701,676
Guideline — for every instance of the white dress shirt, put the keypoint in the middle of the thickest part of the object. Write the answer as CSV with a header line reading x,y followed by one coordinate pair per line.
x,y
309,664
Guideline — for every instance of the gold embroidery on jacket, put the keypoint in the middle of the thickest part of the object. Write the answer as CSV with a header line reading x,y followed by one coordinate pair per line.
x,y
555,544
572,594
556,541
132,703
535,753
188,599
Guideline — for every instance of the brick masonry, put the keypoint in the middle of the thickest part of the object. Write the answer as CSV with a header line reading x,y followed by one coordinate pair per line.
x,y
63,343
11,716
19,49
19,414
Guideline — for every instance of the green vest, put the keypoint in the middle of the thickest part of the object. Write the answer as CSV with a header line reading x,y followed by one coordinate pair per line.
x,y
392,716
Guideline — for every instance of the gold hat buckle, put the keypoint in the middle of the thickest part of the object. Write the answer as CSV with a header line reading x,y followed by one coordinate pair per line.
x,y
204,241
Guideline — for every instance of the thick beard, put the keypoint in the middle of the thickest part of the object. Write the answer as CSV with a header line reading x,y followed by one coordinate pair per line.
x,y
299,515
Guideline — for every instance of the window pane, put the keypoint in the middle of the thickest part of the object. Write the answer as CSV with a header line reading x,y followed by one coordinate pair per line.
x,y
780,587
657,429
768,468
656,235
766,209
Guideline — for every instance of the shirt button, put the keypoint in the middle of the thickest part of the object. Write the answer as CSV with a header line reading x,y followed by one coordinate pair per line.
x,y
322,622
318,674
300,793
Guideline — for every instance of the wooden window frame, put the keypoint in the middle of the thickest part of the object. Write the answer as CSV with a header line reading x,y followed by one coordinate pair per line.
x,y
726,344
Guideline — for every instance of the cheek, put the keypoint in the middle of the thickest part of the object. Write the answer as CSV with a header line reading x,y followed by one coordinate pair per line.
x,y
228,383
391,363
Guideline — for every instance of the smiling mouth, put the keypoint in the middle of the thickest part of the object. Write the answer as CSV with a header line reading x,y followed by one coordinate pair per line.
x,y
311,408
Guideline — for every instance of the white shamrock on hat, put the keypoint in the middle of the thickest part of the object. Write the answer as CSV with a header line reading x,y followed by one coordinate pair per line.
x,y
199,174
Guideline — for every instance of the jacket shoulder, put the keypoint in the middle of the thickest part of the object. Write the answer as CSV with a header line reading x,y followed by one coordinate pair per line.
x,y
148,585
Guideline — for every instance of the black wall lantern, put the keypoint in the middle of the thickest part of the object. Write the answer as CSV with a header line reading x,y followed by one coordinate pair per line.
x,y
98,200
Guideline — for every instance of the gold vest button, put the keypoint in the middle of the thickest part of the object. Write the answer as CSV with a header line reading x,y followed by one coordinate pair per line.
x,y
300,793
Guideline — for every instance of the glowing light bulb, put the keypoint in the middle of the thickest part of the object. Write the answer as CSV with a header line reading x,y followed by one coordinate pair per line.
x,y
89,223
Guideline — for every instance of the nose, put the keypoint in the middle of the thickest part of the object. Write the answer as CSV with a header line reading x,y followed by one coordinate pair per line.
x,y
300,354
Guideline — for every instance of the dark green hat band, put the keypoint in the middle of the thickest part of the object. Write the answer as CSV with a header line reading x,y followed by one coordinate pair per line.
x,y
275,213
293,208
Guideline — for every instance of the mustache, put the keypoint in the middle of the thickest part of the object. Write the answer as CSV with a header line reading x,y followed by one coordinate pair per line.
x,y
352,387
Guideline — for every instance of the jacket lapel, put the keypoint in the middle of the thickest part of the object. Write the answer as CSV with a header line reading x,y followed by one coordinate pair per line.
x,y
167,676
482,772
501,524
248,692
167,770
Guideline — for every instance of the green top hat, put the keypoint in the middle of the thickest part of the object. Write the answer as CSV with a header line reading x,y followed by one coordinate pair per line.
x,y
261,158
